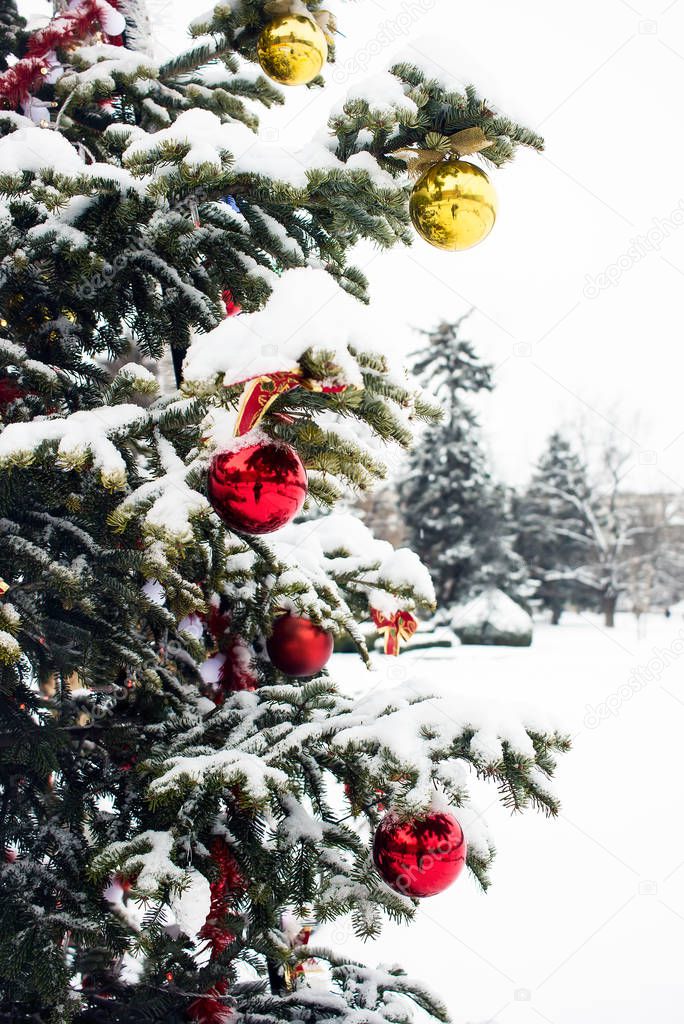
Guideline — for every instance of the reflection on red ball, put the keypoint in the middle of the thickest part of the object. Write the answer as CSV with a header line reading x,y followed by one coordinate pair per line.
x,y
257,489
298,647
422,856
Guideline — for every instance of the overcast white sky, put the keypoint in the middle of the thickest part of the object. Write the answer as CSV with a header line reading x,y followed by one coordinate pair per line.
x,y
603,81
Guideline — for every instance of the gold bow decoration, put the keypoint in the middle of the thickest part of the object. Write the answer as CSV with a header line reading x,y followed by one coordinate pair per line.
x,y
324,19
440,147
4,587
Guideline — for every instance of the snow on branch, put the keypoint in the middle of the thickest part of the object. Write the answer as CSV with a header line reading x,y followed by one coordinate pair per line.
x,y
343,549
205,141
104,68
233,766
169,502
37,151
397,721
148,860
307,311
33,149
383,93
80,438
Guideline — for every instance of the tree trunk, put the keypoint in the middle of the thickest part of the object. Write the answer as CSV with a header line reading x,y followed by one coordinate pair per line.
x,y
609,604
556,613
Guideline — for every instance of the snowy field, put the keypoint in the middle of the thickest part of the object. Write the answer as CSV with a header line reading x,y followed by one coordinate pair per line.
x,y
584,922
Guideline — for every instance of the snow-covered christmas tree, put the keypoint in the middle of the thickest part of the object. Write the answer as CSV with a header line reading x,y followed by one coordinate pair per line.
x,y
458,516
185,788
552,524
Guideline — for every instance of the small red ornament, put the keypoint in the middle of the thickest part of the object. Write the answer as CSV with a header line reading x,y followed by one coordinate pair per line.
x,y
231,669
378,803
422,856
125,884
232,307
298,647
259,488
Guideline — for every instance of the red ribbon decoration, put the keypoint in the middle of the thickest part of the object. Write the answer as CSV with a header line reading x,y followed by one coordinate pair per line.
x,y
261,392
401,626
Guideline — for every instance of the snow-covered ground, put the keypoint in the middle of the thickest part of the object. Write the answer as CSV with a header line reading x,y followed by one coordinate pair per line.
x,y
584,922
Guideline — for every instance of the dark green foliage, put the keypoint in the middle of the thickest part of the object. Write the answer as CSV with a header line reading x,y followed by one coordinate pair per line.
x,y
12,32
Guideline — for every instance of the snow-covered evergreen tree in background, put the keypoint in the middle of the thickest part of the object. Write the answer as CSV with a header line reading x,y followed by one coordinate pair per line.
x,y
590,543
459,519
551,522
168,796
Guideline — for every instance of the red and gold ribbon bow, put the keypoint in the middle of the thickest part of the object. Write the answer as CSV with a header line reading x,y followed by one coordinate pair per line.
x,y
401,626
261,392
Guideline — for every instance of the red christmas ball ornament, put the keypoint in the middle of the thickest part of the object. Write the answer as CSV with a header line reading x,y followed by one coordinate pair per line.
x,y
257,489
298,647
422,856
232,307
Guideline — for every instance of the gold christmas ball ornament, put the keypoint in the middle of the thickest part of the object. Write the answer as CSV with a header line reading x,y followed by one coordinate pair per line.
x,y
292,50
453,205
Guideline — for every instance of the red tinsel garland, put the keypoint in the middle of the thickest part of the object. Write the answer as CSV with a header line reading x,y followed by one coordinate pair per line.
x,y
18,82
227,886
67,28
209,1009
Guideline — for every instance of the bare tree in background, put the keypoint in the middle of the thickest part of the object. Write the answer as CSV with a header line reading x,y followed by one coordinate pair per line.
x,y
627,544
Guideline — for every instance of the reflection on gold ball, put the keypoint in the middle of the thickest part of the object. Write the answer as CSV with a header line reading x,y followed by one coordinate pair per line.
x,y
292,50
453,205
